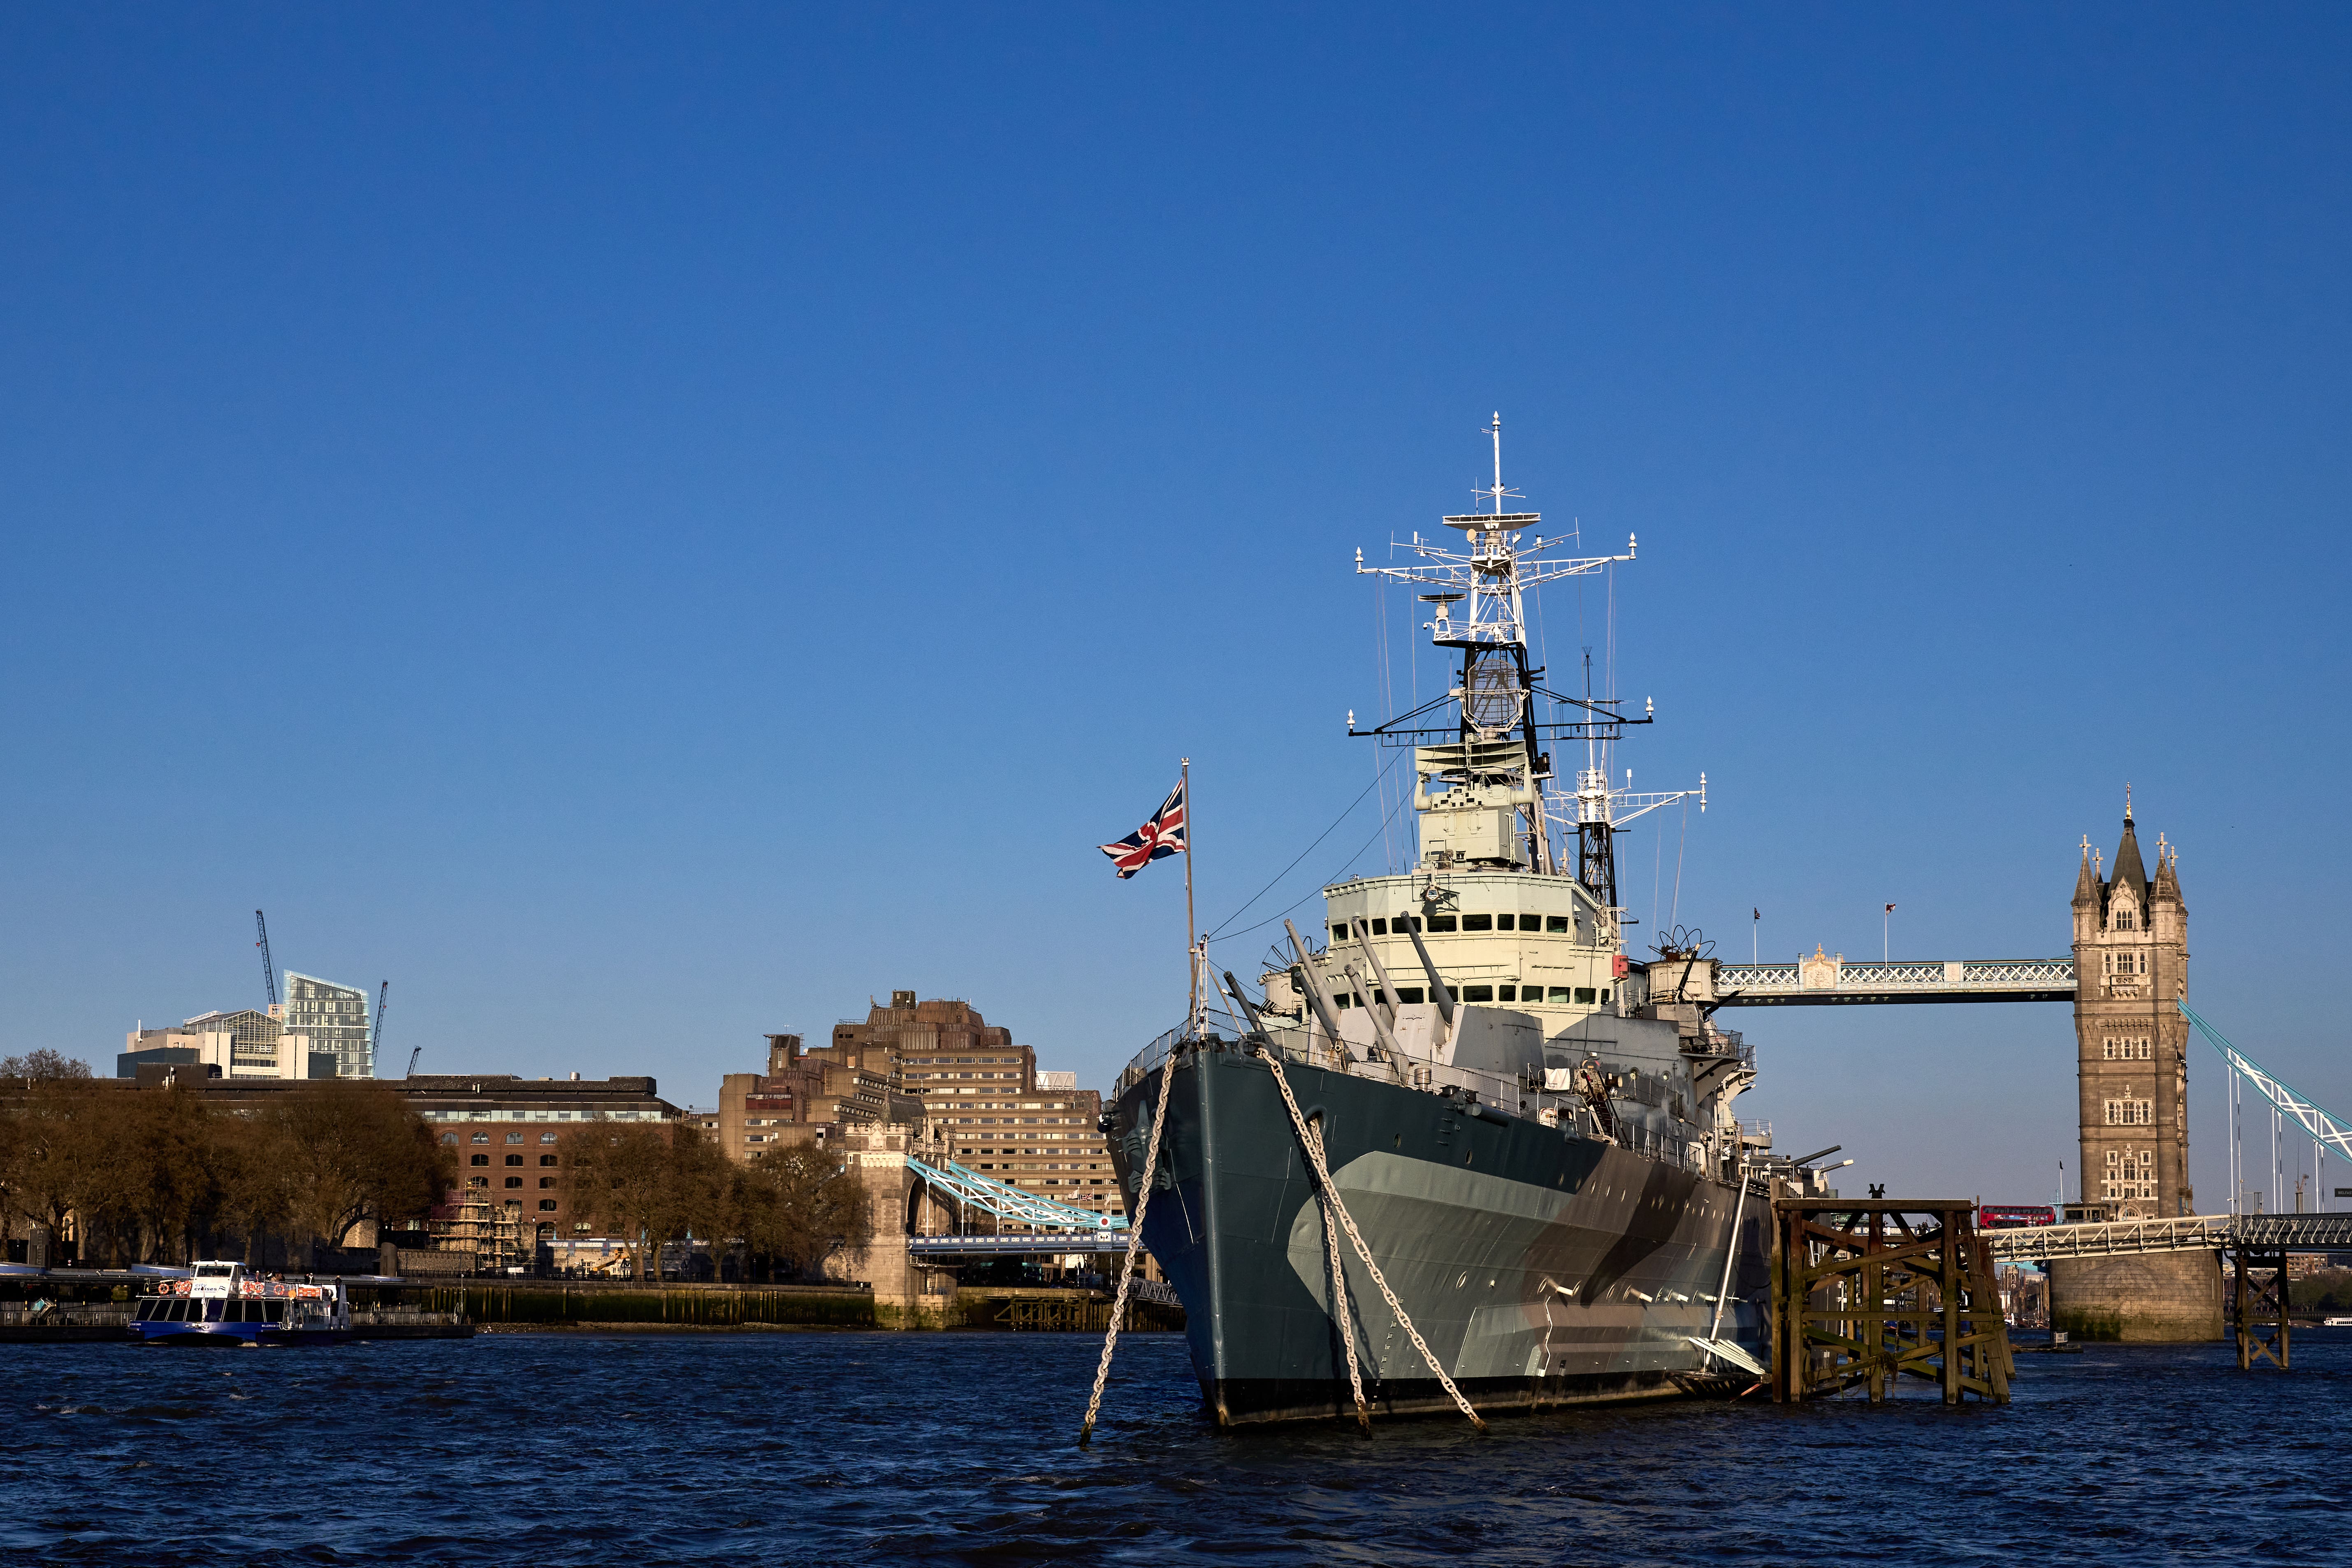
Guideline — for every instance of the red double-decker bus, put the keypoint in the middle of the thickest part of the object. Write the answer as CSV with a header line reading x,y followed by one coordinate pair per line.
x,y
2013,1217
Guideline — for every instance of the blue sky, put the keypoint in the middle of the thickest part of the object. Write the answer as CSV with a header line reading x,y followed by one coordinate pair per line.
x,y
645,528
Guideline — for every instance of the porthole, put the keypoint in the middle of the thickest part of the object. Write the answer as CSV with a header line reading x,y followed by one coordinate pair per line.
x,y
1461,1281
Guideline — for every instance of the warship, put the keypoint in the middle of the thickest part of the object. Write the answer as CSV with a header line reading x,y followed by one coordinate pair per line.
x,y
1462,1149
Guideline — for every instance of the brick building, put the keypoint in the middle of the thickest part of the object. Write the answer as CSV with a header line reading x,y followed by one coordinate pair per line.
x,y
507,1134
974,1096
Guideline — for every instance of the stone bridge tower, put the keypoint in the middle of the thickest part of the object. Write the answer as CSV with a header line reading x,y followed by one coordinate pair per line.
x,y
2131,965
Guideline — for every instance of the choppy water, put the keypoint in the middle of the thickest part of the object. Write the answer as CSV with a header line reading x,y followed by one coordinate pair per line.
x,y
958,1449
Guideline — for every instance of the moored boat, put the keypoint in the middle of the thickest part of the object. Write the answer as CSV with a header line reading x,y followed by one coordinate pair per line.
x,y
1529,1133
220,1304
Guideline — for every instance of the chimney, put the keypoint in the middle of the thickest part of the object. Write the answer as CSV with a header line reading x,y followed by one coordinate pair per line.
x,y
575,1077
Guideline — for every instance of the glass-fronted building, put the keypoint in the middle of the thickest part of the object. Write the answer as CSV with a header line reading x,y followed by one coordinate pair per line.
x,y
254,1036
337,1018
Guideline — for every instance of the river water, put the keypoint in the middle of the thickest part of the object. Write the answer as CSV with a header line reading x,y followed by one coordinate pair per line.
x,y
836,1448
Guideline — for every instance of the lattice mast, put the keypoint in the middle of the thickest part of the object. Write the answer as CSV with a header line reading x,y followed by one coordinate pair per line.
x,y
1477,608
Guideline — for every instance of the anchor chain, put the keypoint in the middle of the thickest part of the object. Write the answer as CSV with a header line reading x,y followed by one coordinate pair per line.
x,y
1314,1147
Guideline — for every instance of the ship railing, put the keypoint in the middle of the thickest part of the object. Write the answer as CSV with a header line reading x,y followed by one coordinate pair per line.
x,y
1145,1062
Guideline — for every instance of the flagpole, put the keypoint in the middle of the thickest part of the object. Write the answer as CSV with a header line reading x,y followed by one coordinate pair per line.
x,y
1192,943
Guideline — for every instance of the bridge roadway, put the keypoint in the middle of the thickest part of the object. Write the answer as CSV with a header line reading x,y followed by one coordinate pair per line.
x,y
1829,979
2186,1233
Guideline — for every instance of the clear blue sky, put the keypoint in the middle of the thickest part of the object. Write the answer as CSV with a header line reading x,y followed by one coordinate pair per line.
x,y
646,527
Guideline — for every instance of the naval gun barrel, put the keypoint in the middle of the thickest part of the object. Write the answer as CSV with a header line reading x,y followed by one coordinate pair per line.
x,y
1437,991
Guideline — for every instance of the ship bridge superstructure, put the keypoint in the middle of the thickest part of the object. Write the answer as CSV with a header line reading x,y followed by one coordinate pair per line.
x,y
1499,955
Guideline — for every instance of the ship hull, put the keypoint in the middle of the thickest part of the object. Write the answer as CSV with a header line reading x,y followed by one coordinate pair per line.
x,y
1540,1267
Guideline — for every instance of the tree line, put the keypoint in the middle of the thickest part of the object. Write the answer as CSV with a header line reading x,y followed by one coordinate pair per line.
x,y
783,1214
157,1175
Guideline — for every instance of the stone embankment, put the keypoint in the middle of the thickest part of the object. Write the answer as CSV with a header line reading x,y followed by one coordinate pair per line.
x,y
527,1305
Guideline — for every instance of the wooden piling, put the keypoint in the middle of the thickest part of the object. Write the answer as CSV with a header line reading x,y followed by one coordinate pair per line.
x,y
1852,1280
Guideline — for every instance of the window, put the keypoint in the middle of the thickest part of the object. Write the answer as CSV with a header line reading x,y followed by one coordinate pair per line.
x,y
514,1137
477,1181
480,1160
1409,994
1559,925
547,1136
1440,922
1404,923
514,1181
1338,932
1478,922
1477,993
450,1139
481,1137
1346,999
547,1205
1559,995
1605,998
547,1159
1507,992
2130,1112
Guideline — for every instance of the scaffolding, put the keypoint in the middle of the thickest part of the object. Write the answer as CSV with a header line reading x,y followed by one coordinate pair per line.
x,y
497,1236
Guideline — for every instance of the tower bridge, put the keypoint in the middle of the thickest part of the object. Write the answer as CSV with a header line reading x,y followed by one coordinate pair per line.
x,y
2152,1271
1829,979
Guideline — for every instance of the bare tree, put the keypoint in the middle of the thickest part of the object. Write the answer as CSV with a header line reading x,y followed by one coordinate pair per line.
x,y
793,1205
55,1149
649,1184
349,1150
36,1066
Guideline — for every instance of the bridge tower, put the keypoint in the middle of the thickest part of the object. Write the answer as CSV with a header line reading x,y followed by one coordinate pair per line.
x,y
2131,965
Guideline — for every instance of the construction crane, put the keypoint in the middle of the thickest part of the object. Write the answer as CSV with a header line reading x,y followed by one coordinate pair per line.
x,y
384,1005
269,975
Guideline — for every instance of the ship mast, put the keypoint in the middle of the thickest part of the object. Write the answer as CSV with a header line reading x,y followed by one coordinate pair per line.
x,y
1493,751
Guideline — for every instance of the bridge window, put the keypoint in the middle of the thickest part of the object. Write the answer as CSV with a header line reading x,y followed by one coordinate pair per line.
x,y
1477,993
1339,931
1410,993
1440,922
1584,994
1507,992
1559,925
1478,922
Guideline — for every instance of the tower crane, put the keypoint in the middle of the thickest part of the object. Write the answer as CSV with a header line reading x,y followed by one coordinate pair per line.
x,y
269,975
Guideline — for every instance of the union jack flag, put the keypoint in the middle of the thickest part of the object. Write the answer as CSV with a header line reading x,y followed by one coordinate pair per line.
x,y
1161,835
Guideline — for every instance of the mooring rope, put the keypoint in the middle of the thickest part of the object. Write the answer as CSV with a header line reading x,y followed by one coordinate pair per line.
x,y
1315,1154
1134,1243
1339,1288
